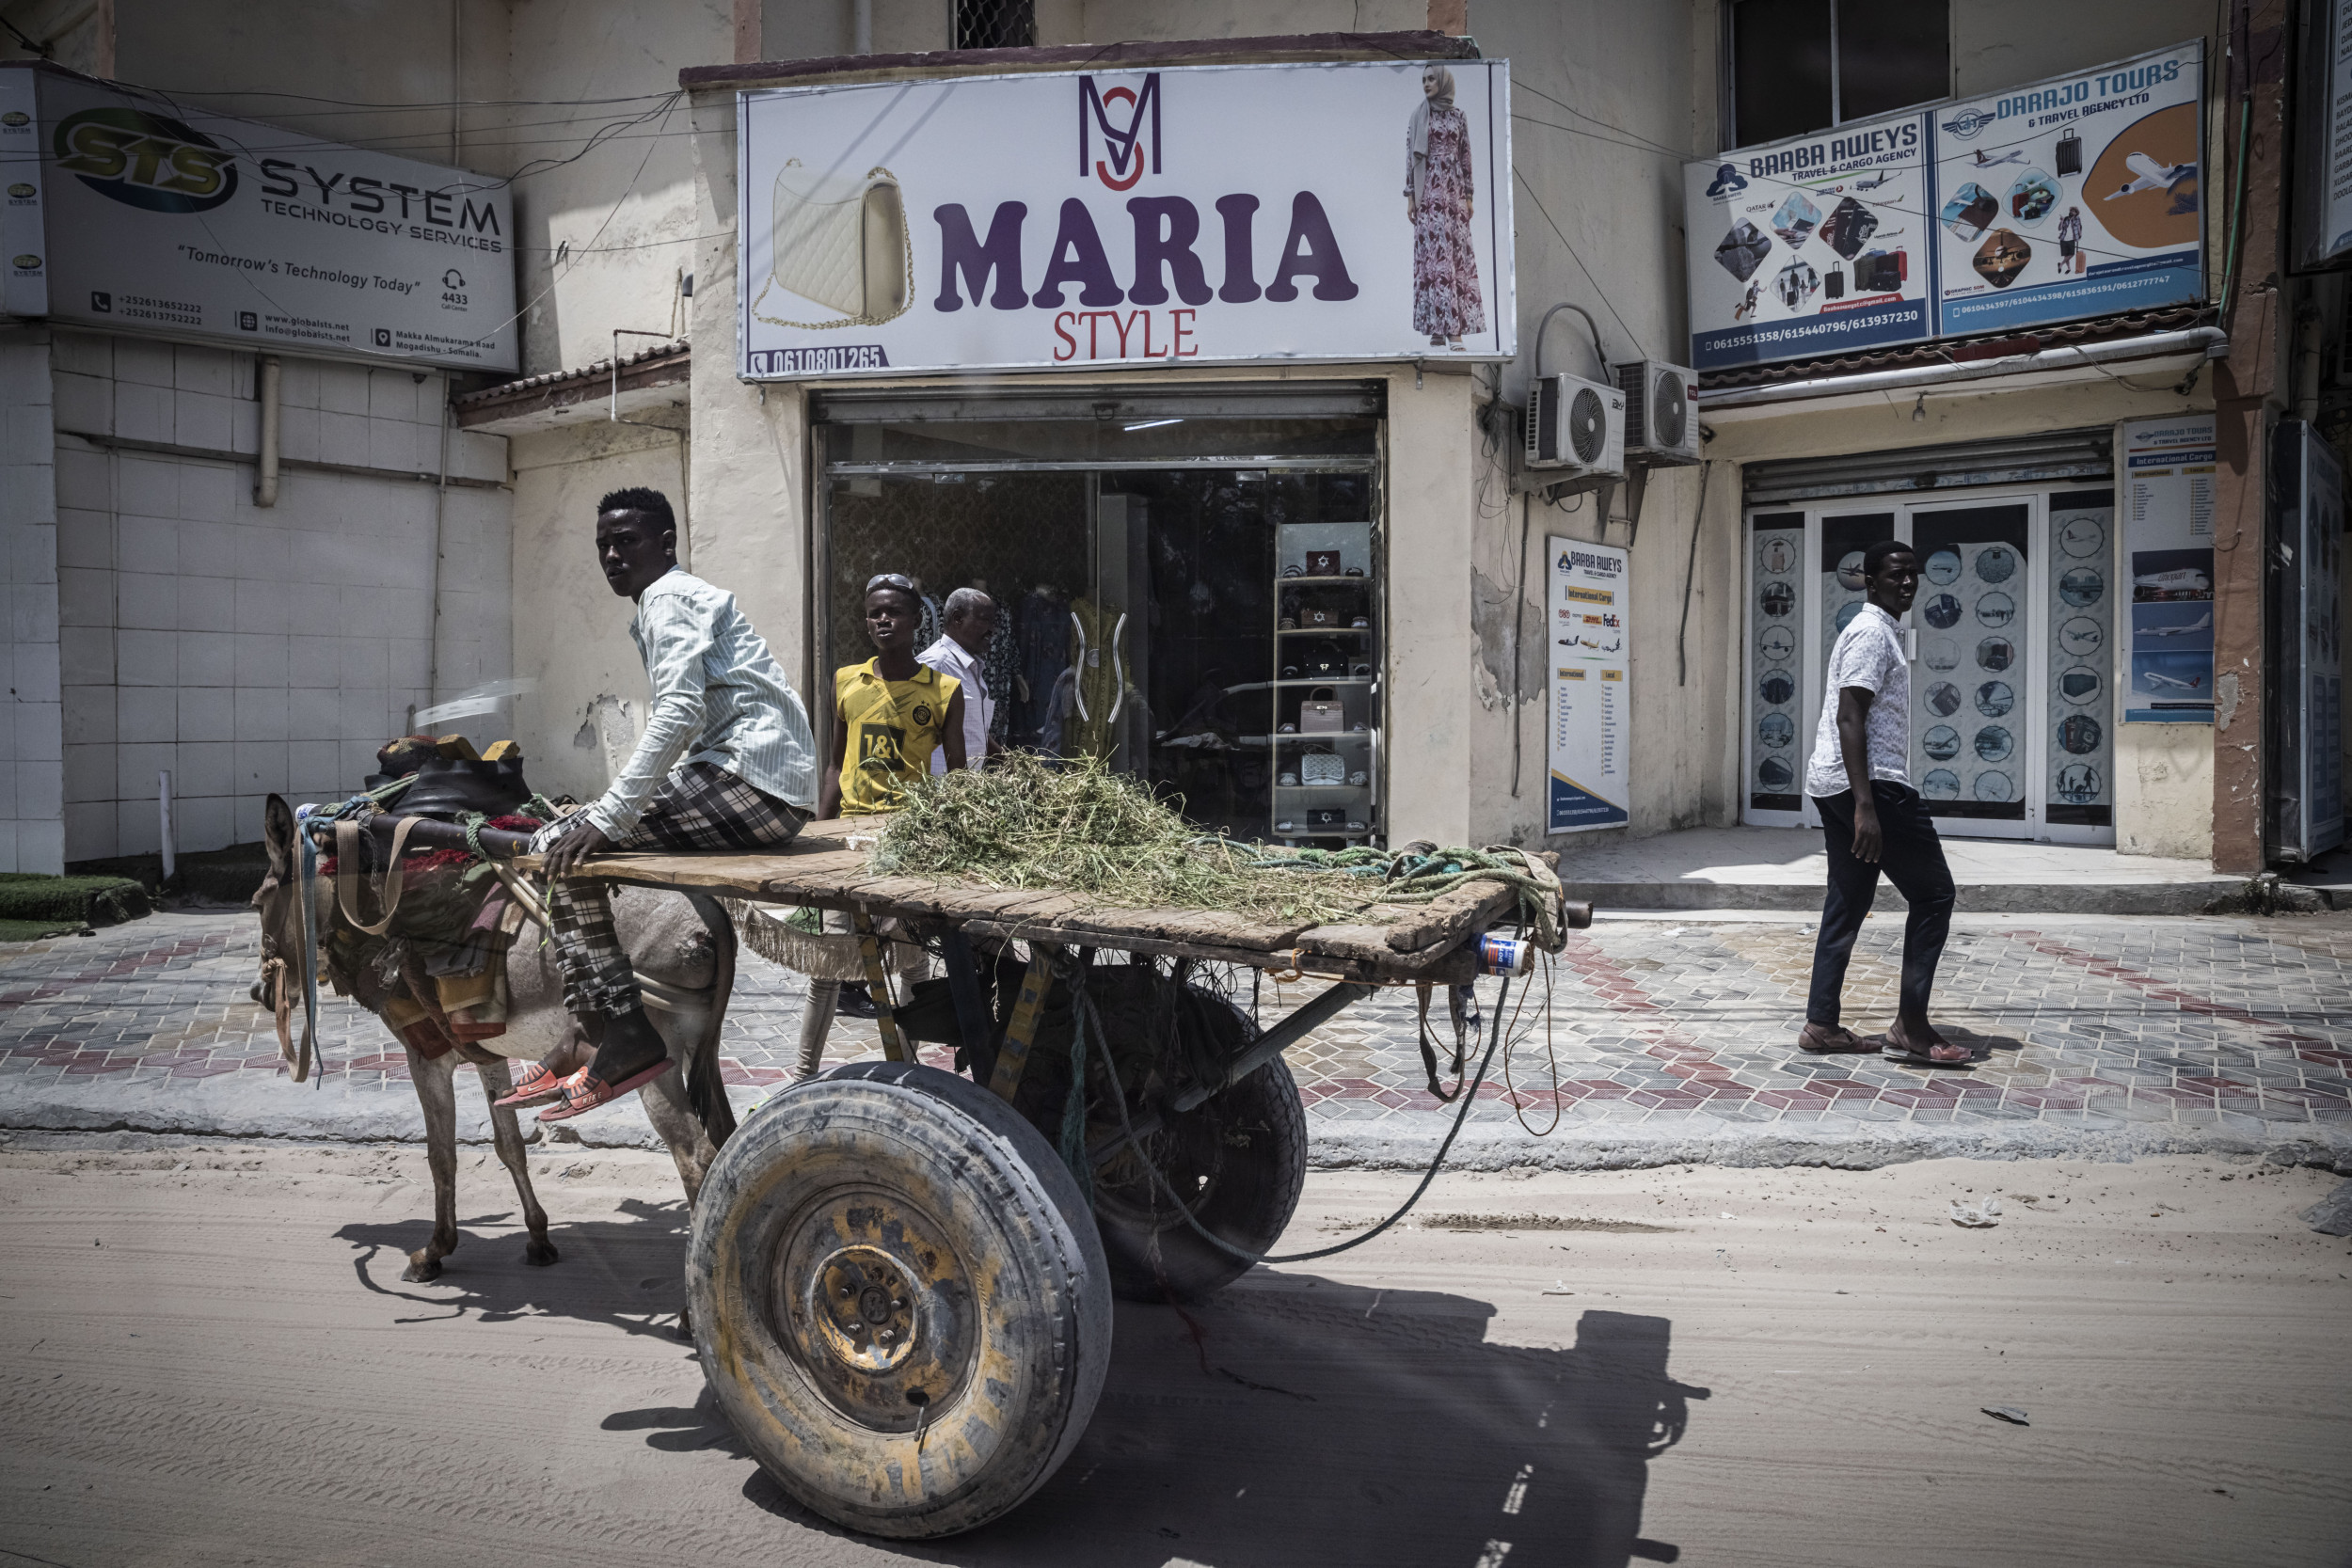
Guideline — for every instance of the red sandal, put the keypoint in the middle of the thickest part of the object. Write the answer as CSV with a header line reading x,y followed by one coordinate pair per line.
x,y
539,1086
584,1091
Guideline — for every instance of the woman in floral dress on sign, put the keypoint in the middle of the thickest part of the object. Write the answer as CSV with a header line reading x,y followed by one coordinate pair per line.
x,y
1439,199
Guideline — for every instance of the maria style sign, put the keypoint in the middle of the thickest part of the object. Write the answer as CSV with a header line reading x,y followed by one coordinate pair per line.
x,y
1197,215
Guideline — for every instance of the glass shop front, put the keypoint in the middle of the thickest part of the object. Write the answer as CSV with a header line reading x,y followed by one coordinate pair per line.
x,y
1189,579
2013,635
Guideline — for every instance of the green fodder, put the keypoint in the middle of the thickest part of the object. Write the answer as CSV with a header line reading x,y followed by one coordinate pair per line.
x,y
1081,828
82,900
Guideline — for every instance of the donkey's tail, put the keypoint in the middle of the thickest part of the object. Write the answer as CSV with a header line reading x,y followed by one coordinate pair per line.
x,y
705,1094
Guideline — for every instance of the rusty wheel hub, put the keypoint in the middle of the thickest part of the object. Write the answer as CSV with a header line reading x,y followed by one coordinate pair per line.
x,y
877,1307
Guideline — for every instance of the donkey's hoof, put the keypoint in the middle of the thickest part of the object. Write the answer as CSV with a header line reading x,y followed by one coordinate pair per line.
x,y
539,1252
421,1270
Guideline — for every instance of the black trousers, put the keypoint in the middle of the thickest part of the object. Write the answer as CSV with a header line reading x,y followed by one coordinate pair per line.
x,y
1912,855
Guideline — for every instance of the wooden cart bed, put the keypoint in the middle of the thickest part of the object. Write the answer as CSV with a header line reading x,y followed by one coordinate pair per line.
x,y
826,867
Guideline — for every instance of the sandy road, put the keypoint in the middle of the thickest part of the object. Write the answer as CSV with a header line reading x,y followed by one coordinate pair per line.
x,y
207,1356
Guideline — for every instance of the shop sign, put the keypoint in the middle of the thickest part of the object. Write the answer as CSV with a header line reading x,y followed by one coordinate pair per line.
x,y
2323,218
2076,196
1590,633
2169,469
1813,246
129,214
1207,215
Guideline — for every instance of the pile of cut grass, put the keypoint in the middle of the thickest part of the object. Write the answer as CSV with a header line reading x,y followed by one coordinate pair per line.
x,y
1081,828
73,901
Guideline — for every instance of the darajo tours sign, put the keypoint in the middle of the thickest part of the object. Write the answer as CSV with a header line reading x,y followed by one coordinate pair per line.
x,y
1196,215
127,213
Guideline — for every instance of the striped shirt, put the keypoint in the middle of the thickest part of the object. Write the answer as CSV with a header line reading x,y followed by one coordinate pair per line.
x,y
719,696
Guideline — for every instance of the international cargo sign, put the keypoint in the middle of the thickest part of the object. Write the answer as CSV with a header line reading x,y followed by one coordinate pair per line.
x,y
128,214
2076,196
1070,220
1588,634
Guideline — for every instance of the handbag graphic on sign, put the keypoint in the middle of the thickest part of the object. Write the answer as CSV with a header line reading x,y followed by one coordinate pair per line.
x,y
1321,713
841,242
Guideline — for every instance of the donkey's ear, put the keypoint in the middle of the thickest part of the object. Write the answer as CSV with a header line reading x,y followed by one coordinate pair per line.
x,y
278,836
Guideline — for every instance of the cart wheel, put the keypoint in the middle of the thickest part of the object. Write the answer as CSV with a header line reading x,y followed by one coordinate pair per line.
x,y
1237,1161
900,1298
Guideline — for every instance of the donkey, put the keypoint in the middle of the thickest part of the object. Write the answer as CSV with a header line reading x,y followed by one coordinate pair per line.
x,y
682,942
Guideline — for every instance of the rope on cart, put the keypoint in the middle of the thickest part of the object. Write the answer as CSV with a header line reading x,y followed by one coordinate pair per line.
x,y
1421,873
1088,1017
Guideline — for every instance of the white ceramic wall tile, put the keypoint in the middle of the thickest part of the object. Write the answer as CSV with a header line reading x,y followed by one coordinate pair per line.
x,y
204,822
208,659
299,382
261,605
147,600
208,549
39,732
33,612
82,352
84,404
147,486
313,714
36,672
343,389
85,597
90,773
411,661
363,716
85,477
136,768
40,847
207,713
143,413
10,791
207,767
474,455
208,491
148,659
147,544
200,421
86,539
32,552
245,426
260,766
201,370
85,655
314,662
7,848
402,447
208,603
138,830
260,713
359,760
313,771
39,790
298,434
32,436
343,438
89,717
262,662
28,493
89,830
146,715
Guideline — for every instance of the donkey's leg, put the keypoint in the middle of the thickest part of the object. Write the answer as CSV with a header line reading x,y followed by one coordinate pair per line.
x,y
496,1082
436,1091
674,1119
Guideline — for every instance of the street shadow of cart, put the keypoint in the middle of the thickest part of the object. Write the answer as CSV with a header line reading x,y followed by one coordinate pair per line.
x,y
1298,1420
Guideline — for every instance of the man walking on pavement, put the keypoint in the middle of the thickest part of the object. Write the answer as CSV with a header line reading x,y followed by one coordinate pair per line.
x,y
727,762
1872,820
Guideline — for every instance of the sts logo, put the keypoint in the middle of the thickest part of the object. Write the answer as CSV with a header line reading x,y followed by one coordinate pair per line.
x,y
1966,124
1120,144
145,160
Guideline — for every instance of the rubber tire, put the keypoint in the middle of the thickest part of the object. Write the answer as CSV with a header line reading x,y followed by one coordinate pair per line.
x,y
1039,1305
1261,1129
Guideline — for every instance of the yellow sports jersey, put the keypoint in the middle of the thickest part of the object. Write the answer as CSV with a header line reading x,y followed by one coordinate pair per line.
x,y
894,727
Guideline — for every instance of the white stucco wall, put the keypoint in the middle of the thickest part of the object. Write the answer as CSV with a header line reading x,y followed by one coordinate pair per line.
x,y
32,831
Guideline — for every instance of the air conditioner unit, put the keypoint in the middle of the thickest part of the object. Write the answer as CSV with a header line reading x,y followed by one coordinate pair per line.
x,y
1575,428
1661,419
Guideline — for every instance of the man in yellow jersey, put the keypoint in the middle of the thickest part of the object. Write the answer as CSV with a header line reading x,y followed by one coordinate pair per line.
x,y
889,714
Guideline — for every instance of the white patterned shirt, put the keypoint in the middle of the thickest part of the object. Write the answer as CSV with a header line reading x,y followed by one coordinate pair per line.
x,y
718,696
1868,654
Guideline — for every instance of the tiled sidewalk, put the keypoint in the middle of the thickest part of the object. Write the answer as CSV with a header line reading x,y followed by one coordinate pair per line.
x,y
1671,1039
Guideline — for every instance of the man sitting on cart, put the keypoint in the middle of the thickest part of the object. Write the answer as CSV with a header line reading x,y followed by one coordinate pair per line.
x,y
726,762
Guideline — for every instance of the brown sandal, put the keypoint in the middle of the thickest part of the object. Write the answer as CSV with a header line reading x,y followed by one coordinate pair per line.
x,y
1893,1050
1837,1042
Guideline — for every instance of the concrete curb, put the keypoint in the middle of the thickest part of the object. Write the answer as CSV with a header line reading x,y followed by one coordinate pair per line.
x,y
2219,897
332,1115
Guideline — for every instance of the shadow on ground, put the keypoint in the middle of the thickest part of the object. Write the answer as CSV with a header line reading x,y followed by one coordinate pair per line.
x,y
621,1272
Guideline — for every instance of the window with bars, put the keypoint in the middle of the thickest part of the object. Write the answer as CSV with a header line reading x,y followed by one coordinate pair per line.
x,y
1794,66
996,23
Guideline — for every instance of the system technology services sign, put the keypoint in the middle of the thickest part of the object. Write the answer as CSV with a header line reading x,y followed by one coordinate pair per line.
x,y
1344,210
126,213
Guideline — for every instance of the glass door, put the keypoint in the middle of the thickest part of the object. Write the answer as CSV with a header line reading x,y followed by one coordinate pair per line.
x,y
1973,736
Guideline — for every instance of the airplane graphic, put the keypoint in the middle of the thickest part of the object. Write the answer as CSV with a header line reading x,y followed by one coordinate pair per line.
x,y
2152,678
1872,184
2200,623
2186,579
2016,157
2150,175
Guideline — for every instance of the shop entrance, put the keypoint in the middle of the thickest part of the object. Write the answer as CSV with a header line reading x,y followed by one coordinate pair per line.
x,y
1191,581
2012,720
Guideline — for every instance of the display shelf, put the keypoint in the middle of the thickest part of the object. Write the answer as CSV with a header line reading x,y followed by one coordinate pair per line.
x,y
1327,680
1347,545
1323,631
1344,734
1367,581
1323,789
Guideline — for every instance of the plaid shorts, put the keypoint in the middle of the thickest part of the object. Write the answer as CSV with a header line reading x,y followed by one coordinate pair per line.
x,y
700,806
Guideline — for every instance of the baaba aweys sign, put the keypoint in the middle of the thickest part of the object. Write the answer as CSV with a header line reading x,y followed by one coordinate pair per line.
x,y
129,214
1193,215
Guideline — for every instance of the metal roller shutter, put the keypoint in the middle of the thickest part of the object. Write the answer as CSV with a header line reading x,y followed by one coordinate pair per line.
x,y
2071,455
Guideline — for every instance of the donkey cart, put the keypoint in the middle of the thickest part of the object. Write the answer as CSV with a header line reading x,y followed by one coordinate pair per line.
x,y
901,1276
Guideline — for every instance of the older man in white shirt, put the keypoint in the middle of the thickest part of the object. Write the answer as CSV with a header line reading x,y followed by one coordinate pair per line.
x,y
966,624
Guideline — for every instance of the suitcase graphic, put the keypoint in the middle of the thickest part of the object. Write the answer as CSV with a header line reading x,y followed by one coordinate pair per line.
x,y
1833,283
2070,152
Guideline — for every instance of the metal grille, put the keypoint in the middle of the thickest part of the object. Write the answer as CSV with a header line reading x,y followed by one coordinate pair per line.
x,y
2080,454
996,23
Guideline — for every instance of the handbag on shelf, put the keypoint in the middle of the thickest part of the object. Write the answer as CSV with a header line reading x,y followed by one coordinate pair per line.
x,y
1322,767
1321,713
